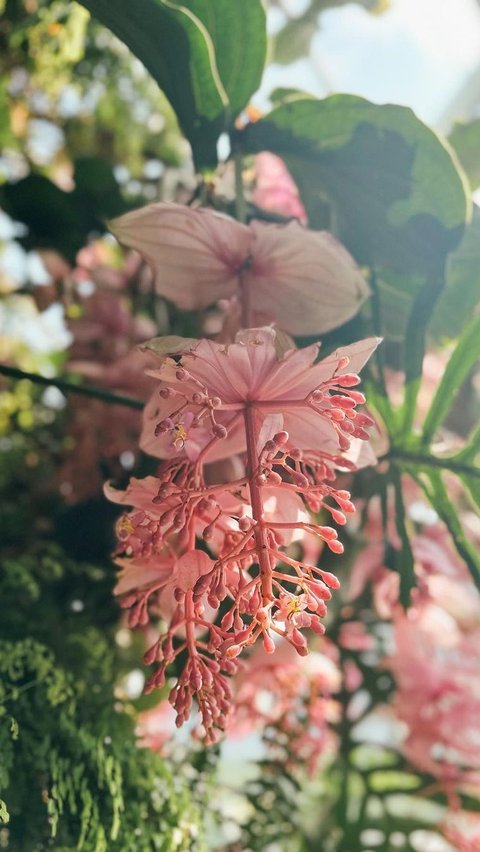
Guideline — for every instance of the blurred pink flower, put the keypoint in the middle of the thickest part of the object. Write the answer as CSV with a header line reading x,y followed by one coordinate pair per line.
x,y
436,668
462,828
295,696
275,188
99,435
156,727
305,281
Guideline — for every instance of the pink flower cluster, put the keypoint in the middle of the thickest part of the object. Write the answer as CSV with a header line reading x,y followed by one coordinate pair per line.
x,y
207,552
436,656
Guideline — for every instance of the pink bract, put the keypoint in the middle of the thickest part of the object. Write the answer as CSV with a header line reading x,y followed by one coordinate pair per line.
x,y
275,188
305,281
219,382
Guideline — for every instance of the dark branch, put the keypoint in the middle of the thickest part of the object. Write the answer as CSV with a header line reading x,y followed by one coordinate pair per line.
x,y
71,387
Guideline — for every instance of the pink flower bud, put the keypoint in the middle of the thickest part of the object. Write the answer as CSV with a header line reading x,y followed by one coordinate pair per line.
x,y
268,644
338,517
349,380
219,431
330,579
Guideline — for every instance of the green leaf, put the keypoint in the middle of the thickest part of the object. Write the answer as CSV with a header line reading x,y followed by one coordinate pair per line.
x,y
97,188
397,195
51,215
397,293
414,346
471,483
437,493
206,55
461,295
472,447
463,358
405,561
465,139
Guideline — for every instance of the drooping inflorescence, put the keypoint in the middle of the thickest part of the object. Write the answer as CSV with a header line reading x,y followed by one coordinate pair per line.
x,y
211,557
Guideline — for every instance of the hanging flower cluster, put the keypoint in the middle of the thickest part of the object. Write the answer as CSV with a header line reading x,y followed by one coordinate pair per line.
x,y
206,551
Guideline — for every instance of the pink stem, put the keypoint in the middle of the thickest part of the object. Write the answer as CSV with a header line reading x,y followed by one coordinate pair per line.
x,y
257,508
245,299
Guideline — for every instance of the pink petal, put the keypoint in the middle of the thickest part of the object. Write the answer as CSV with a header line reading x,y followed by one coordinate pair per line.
x,y
357,353
195,254
139,493
266,427
190,567
309,431
291,376
234,372
305,281
139,573
361,453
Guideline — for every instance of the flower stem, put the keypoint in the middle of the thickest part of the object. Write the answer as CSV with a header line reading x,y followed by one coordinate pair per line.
x,y
240,205
257,508
245,299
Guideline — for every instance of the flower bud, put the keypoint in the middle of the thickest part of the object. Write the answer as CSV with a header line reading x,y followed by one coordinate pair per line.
x,y
219,431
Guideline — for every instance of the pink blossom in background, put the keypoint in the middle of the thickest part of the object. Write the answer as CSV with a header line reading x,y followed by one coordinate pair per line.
x,y
101,352
275,188
436,667
294,696
156,727
462,829
305,281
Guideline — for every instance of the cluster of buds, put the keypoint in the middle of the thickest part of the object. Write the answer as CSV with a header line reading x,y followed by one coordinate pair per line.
x,y
212,560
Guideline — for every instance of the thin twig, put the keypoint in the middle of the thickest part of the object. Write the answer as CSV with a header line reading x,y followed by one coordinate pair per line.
x,y
71,387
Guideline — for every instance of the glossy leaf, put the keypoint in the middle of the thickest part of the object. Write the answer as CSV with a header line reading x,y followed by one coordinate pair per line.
x,y
437,494
396,193
63,220
51,215
466,353
465,139
206,55
461,295
415,345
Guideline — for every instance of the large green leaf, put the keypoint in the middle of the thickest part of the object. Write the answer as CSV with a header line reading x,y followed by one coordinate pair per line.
x,y
465,139
396,192
206,55
63,220
461,295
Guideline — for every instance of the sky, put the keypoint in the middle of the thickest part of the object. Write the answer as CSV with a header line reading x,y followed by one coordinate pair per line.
x,y
419,53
